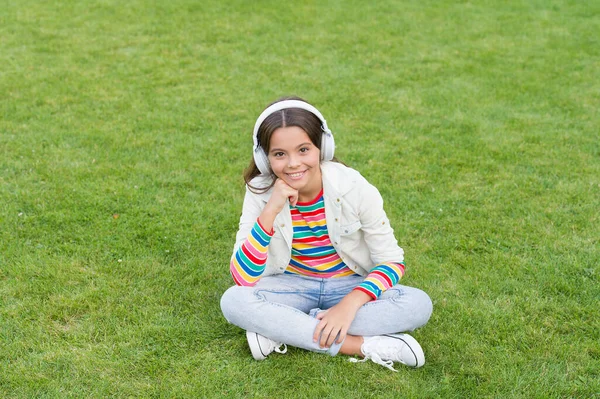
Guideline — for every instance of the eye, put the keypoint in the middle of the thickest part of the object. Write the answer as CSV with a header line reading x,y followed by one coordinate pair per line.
x,y
304,149
278,154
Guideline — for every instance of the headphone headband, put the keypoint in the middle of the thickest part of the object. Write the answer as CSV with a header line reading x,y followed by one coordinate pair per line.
x,y
285,104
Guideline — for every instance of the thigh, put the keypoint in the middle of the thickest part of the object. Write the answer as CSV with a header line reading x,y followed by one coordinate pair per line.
x,y
295,291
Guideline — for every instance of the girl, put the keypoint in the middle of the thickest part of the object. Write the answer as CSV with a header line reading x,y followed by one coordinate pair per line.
x,y
315,263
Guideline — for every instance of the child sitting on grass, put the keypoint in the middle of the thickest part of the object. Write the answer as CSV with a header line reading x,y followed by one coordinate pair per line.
x,y
316,264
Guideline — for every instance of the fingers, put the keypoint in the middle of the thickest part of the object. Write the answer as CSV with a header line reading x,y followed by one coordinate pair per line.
x,y
283,189
326,335
327,338
282,193
293,200
318,330
322,333
342,335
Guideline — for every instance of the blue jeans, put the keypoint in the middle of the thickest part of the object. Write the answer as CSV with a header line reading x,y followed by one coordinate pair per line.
x,y
283,308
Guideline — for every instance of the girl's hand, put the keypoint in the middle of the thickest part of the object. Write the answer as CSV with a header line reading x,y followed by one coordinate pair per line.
x,y
282,192
335,322
337,319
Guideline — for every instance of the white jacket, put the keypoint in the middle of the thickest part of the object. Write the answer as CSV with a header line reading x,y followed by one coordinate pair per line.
x,y
358,226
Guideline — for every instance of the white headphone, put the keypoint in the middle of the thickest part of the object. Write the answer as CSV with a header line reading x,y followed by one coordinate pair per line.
x,y
327,143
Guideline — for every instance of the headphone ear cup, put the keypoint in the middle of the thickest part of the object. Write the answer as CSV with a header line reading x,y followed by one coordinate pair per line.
x,y
327,146
261,161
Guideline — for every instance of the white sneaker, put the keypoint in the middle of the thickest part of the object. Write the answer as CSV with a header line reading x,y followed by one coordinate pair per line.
x,y
389,348
261,346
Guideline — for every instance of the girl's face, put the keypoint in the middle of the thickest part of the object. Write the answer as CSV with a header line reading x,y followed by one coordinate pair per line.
x,y
295,160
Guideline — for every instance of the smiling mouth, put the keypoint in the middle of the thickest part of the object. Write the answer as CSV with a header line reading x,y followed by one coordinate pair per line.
x,y
297,175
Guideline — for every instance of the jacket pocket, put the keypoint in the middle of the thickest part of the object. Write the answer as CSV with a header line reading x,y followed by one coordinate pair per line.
x,y
350,228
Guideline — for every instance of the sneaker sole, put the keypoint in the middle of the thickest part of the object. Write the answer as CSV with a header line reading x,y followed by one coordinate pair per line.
x,y
414,347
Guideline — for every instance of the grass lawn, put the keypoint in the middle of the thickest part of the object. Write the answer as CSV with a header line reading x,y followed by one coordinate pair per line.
x,y
124,130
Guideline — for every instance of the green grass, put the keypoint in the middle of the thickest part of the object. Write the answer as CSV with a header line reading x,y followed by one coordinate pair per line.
x,y
124,130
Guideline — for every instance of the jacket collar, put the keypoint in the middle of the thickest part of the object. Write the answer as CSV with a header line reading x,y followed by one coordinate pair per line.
x,y
336,180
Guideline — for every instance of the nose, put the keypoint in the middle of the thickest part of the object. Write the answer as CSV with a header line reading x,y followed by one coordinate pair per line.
x,y
293,161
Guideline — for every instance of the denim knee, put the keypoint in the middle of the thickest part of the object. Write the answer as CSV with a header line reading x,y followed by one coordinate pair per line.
x,y
230,303
424,305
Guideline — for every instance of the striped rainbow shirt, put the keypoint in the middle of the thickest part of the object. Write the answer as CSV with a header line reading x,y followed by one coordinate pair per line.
x,y
312,253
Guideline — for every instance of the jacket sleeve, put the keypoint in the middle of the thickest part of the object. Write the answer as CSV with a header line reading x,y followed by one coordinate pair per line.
x,y
251,242
381,278
377,232
249,261
251,210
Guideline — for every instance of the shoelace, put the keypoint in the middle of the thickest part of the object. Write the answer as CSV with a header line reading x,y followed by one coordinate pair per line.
x,y
375,359
278,348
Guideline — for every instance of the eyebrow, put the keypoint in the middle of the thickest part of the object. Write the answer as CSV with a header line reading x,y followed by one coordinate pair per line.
x,y
301,145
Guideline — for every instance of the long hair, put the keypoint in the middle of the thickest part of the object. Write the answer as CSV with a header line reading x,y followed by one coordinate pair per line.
x,y
301,118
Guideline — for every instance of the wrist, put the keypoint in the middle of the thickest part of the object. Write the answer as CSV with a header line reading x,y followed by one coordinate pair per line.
x,y
267,219
356,299
269,231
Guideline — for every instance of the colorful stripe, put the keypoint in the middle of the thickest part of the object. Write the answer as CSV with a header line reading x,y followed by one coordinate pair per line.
x,y
381,278
250,260
312,252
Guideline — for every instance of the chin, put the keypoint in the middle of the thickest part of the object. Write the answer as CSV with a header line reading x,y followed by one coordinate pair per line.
x,y
295,184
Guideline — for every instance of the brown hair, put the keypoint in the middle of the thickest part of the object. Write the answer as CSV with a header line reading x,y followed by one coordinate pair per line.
x,y
301,118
